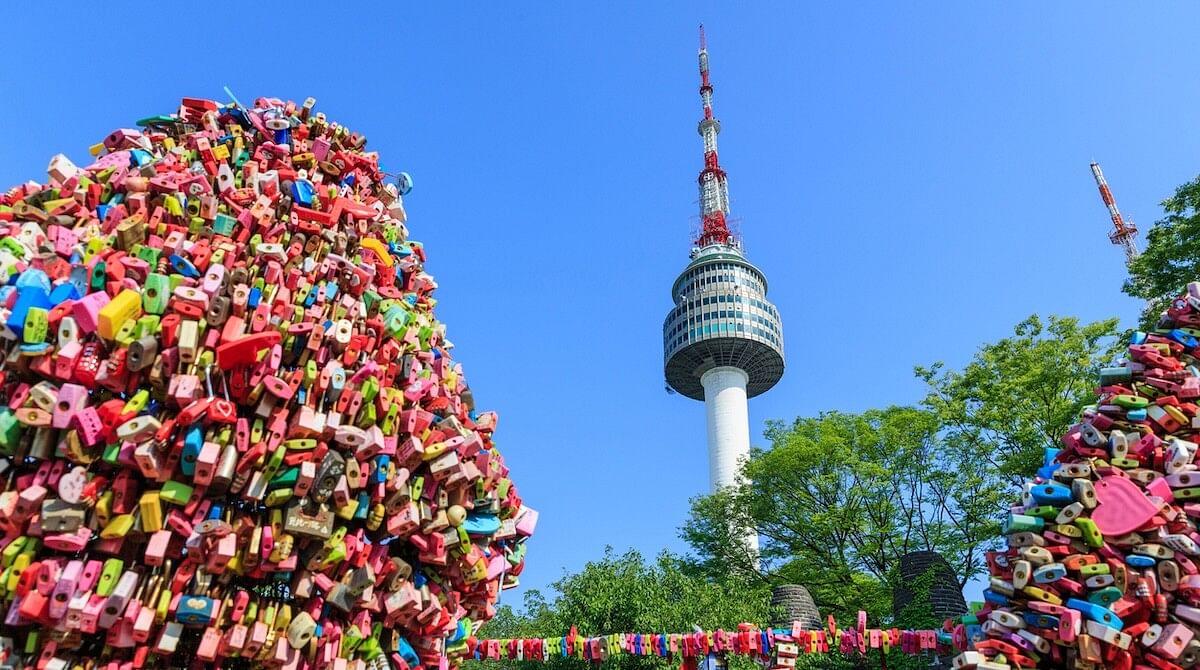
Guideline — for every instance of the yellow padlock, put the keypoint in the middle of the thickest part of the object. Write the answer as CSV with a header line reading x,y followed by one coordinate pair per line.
x,y
283,617
103,508
348,510
163,606
118,527
1042,594
127,306
376,516
150,505
1177,414
282,549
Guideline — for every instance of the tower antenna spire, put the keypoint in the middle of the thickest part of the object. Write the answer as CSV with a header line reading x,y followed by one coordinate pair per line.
x,y
714,187
1124,232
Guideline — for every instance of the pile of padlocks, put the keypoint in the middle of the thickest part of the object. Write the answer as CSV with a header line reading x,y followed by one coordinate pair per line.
x,y
231,433
1101,568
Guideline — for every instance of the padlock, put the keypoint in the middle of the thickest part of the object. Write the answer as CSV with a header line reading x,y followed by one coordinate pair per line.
x,y
59,516
316,521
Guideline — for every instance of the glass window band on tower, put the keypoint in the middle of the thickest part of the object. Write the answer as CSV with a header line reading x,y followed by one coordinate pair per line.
x,y
722,317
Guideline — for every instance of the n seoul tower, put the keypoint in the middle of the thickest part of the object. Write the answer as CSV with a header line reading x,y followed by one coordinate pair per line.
x,y
723,341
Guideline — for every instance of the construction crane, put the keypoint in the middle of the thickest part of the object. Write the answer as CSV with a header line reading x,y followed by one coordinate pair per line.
x,y
1124,232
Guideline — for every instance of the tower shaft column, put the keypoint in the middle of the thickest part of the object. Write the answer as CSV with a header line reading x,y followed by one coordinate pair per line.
x,y
728,423
728,430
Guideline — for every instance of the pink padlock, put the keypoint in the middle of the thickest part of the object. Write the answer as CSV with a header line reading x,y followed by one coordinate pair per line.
x,y
304,481
71,399
156,547
1174,638
206,463
64,589
86,311
87,420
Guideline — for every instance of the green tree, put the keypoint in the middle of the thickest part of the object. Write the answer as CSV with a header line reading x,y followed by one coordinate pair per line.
x,y
627,594
1172,251
838,499
1018,395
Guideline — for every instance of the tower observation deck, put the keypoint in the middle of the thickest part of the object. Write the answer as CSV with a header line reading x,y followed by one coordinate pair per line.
x,y
723,340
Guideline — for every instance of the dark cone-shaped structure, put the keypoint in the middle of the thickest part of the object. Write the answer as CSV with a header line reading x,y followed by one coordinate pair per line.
x,y
792,602
945,596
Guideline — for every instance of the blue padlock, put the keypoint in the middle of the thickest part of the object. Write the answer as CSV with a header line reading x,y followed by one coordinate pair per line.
x,y
1139,561
193,442
407,652
404,183
995,597
33,278
195,610
27,297
183,266
1099,614
1052,494
1183,338
1049,573
302,192
1039,620
1049,465
481,524
64,292
139,157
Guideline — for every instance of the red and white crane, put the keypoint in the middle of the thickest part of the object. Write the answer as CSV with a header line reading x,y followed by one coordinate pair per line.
x,y
1124,232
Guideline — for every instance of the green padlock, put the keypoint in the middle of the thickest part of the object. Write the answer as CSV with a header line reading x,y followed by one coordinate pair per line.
x,y
1094,569
127,333
285,479
176,493
1129,401
156,293
1105,596
10,431
1188,493
1043,511
370,388
149,254
146,325
1091,534
112,453
99,275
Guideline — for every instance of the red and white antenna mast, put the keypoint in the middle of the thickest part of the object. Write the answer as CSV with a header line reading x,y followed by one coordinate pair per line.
x,y
1124,232
714,190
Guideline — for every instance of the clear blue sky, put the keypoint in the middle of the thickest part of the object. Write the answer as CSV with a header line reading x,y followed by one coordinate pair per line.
x,y
913,178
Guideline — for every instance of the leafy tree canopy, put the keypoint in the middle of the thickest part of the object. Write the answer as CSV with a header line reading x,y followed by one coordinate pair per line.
x,y
1172,251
